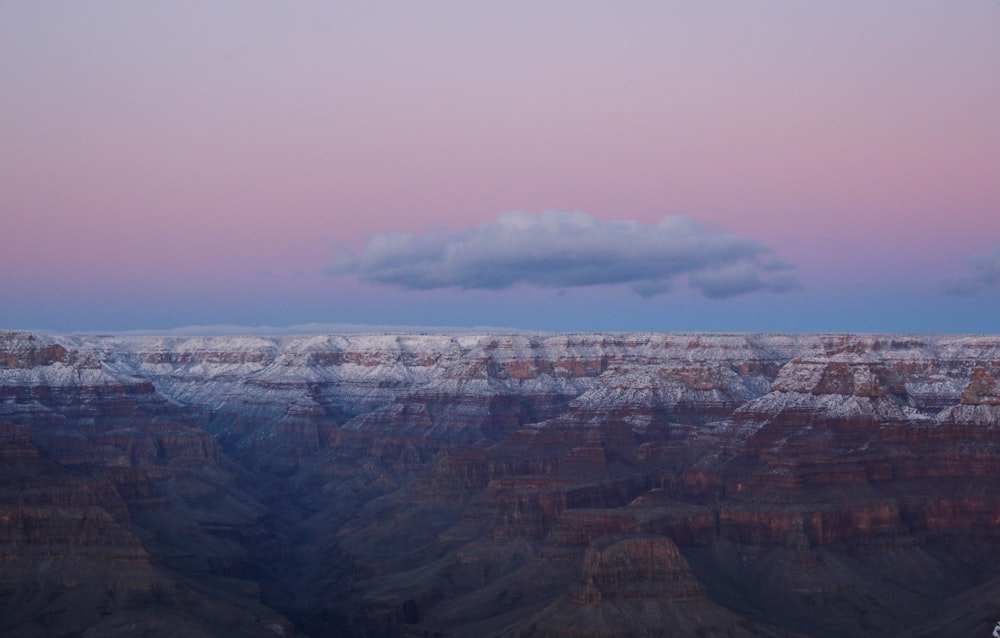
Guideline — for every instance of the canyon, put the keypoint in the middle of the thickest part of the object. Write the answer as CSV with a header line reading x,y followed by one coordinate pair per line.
x,y
520,485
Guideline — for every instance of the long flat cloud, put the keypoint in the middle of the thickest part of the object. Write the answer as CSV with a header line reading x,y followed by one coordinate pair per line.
x,y
981,273
565,250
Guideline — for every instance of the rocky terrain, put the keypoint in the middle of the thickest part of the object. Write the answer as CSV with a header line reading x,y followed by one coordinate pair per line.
x,y
517,485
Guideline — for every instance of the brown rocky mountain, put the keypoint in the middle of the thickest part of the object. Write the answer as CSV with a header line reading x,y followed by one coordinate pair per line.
x,y
516,485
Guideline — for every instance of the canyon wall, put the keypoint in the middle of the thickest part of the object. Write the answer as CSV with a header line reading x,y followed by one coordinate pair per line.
x,y
500,485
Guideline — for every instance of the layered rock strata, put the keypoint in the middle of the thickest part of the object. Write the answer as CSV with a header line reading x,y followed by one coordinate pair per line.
x,y
479,485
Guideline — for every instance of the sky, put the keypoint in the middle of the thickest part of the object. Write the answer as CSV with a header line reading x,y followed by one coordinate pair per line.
x,y
553,166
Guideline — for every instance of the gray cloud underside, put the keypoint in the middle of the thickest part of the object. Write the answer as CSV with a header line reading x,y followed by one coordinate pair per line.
x,y
982,272
565,250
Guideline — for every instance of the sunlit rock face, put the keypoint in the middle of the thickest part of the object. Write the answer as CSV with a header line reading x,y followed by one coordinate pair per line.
x,y
481,485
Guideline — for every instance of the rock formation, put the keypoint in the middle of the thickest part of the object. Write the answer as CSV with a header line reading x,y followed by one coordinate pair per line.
x,y
514,485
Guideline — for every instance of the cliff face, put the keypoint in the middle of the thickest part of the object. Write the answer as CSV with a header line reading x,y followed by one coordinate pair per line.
x,y
536,485
112,501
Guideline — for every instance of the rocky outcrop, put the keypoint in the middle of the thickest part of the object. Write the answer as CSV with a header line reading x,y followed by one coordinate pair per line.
x,y
637,586
635,567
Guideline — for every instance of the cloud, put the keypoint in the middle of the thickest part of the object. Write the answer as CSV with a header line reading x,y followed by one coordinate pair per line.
x,y
566,250
224,330
982,272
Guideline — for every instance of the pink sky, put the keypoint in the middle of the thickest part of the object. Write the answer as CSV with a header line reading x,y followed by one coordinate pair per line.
x,y
185,153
